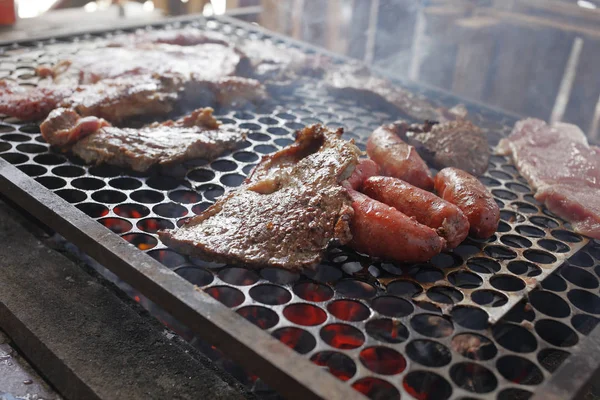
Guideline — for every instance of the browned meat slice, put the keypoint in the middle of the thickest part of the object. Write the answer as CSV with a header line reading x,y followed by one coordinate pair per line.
x,y
458,144
30,104
358,83
197,135
286,214
559,163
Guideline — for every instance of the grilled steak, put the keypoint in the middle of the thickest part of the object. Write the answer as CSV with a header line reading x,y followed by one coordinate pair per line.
x,y
458,144
558,161
358,83
180,37
30,104
198,135
287,212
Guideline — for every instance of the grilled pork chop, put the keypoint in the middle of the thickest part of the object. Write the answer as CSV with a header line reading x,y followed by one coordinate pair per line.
x,y
198,135
357,82
558,161
458,144
286,214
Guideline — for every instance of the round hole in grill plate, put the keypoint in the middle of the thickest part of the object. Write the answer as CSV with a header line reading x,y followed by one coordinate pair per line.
x,y
141,240
93,210
277,275
582,259
153,225
514,394
238,276
200,207
30,128
227,295
232,180
426,274
305,314
88,183
499,252
474,346
51,182
296,338
555,283
196,276
511,216
553,246
530,231
445,260
248,168
466,250
131,210
125,183
278,131
283,142
428,306
519,370
544,222
539,256
392,306
170,210
517,187
270,294
382,360
514,337
470,317
585,301
265,148
355,288
258,137
387,330
376,389
487,181
473,377
516,241
579,277
6,128
403,287
339,365
268,121
312,291
147,196
109,196
211,192
72,195
164,182
489,298
245,156
549,304
504,194
185,196
32,170
167,257
566,236
31,148
524,268
342,336
201,175
584,323
15,137
465,280
5,146
483,265
428,353
524,208
444,294
427,385
68,171
507,283
431,325
49,159
348,310
117,225
324,273
259,316
503,226
550,359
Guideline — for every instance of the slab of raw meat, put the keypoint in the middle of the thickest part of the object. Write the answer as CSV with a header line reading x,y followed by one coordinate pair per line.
x,y
287,212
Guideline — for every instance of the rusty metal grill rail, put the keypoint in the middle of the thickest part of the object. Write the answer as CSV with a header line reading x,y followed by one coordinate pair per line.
x,y
419,330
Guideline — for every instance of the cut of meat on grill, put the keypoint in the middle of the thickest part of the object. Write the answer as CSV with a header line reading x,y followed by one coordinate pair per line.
x,y
198,135
458,144
180,37
557,160
287,212
113,99
358,83
272,63
397,158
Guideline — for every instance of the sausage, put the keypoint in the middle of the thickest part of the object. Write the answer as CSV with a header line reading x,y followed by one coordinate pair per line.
x,y
382,231
472,197
365,169
396,158
427,208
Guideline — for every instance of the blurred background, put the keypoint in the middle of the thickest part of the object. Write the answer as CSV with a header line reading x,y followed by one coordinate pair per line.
x,y
533,57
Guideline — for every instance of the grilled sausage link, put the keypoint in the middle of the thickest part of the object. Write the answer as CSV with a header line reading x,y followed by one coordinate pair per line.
x,y
396,158
364,170
472,197
382,231
427,208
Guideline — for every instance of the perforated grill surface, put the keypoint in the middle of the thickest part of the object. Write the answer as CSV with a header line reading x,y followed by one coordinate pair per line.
x,y
416,330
